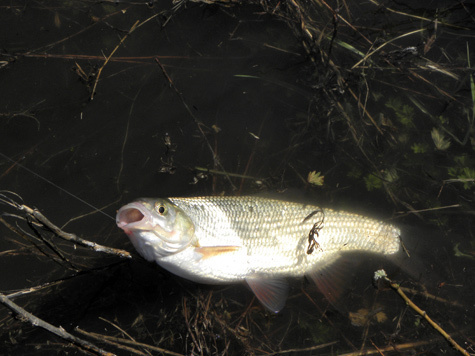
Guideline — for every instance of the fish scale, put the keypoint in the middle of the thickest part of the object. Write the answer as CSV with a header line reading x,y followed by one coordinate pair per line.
x,y
277,228
253,239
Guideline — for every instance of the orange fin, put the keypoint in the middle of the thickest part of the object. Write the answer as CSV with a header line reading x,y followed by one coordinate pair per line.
x,y
271,292
211,251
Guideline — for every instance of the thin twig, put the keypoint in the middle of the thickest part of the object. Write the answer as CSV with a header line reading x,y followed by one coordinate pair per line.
x,y
107,338
363,106
32,240
214,171
35,321
251,156
198,123
381,274
34,289
311,348
427,295
443,92
70,37
430,209
187,321
384,44
4,198
417,17
397,347
72,237
134,26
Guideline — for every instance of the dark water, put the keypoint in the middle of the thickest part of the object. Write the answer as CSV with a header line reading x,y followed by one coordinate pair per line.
x,y
251,96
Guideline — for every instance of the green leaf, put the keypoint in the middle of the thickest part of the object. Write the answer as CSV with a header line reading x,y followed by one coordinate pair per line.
x,y
419,148
373,182
315,178
459,253
440,142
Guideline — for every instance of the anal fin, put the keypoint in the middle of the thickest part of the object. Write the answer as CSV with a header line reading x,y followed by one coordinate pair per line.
x,y
271,292
333,279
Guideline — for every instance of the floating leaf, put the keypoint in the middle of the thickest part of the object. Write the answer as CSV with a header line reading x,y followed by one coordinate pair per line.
x,y
391,175
381,317
440,142
358,318
315,178
355,173
462,160
405,113
363,316
372,182
459,253
419,148
468,177
393,103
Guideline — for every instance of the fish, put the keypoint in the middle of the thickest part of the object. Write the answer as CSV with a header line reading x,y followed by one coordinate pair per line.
x,y
260,241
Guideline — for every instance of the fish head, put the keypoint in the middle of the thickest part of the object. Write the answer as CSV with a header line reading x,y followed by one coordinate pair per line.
x,y
156,227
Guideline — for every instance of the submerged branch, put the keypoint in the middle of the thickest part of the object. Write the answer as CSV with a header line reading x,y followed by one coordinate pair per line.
x,y
116,341
58,331
39,217
381,274
398,347
311,348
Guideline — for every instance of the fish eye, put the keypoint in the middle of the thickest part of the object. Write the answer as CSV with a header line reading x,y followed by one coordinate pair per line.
x,y
161,209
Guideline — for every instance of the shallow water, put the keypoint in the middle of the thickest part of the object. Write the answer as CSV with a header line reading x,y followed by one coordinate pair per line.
x,y
249,94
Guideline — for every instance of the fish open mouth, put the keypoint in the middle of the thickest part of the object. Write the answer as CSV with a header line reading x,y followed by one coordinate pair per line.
x,y
129,215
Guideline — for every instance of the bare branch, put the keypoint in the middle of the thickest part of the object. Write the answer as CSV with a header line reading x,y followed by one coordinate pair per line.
x,y
58,331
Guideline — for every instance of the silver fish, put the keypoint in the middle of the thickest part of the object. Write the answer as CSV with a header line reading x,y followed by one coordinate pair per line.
x,y
260,241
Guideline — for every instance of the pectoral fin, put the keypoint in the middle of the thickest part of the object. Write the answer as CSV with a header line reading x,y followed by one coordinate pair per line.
x,y
271,292
211,251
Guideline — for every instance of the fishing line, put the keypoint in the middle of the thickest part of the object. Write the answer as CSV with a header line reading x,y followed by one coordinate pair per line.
x,y
55,185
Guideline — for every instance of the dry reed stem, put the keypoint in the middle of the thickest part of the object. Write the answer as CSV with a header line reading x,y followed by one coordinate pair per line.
x,y
384,45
